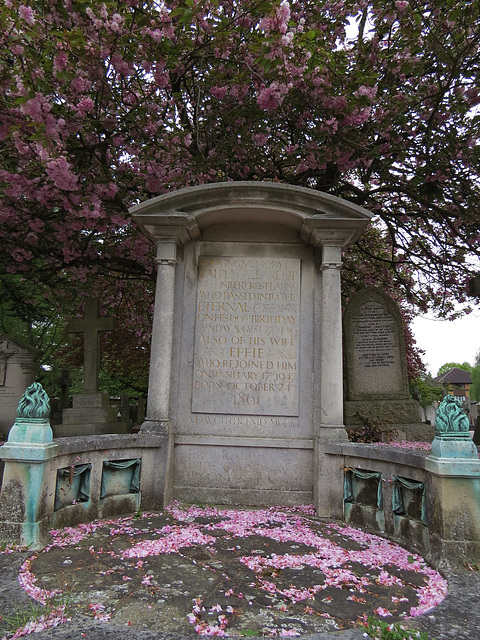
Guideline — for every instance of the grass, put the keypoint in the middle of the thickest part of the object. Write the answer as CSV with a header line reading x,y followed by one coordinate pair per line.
x,y
32,612
381,630
35,613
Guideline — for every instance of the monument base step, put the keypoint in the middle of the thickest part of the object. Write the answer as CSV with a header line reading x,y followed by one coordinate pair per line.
x,y
243,497
391,411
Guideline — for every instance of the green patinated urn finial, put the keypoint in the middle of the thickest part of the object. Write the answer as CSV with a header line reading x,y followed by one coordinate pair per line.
x,y
451,420
35,403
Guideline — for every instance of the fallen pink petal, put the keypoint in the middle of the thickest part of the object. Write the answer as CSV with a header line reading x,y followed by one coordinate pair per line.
x,y
230,568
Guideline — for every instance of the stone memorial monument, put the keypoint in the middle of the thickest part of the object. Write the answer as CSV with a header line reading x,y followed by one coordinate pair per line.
x,y
246,380
91,412
376,367
18,368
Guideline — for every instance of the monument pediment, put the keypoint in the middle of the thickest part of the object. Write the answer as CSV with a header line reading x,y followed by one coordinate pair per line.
x,y
17,343
318,217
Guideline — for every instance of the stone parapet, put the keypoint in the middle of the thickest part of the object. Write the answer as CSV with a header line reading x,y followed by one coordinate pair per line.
x,y
429,503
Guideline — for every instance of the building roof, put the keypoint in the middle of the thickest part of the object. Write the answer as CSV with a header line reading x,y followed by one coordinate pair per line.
x,y
455,376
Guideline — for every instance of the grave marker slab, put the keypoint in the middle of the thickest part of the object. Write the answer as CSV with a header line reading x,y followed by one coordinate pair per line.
x,y
91,326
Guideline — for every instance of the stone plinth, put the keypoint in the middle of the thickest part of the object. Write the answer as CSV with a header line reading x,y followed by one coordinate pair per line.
x,y
246,359
24,513
455,511
91,414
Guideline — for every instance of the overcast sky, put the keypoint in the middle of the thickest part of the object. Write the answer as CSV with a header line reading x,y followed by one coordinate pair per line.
x,y
445,341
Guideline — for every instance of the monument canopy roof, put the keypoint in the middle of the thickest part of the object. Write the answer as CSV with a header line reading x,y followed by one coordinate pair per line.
x,y
319,217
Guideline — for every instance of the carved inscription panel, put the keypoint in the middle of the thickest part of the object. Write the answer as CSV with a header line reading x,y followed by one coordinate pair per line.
x,y
376,350
247,336
375,337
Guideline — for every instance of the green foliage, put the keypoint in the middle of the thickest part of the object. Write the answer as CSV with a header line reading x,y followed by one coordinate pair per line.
x,y
381,630
475,388
428,390
466,366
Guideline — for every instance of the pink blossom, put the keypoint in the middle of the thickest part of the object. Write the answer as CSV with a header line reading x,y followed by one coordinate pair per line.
x,y
26,14
369,92
219,92
287,39
260,139
37,107
116,23
60,61
401,5
283,16
60,172
85,106
271,97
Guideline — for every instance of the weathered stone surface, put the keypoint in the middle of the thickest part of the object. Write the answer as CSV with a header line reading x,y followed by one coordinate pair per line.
x,y
374,348
388,412
91,414
377,390
242,474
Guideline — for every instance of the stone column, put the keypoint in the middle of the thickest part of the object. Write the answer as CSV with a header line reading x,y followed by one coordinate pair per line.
x,y
157,418
328,471
331,357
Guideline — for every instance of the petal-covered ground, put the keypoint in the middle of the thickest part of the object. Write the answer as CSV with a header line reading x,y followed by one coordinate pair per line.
x,y
277,571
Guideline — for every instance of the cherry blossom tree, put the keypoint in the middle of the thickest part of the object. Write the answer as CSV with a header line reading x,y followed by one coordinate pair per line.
x,y
104,105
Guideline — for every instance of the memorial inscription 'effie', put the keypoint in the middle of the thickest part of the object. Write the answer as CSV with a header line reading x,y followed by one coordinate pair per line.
x,y
247,336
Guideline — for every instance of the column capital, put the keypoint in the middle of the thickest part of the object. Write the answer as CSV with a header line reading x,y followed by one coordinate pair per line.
x,y
166,252
331,265
166,261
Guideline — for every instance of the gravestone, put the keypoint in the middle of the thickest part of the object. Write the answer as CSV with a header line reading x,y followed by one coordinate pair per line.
x,y
376,380
91,412
18,368
431,412
245,377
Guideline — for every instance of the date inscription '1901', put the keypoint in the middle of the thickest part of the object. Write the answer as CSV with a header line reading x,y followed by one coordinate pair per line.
x,y
247,336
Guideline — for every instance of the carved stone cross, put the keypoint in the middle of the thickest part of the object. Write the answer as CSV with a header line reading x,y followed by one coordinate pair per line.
x,y
5,354
91,326
64,381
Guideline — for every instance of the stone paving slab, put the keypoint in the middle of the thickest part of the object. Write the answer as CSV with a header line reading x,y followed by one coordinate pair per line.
x,y
102,568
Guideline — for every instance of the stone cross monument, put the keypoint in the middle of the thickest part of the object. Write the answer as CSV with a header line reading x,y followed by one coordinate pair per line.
x,y
91,326
5,353
91,412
